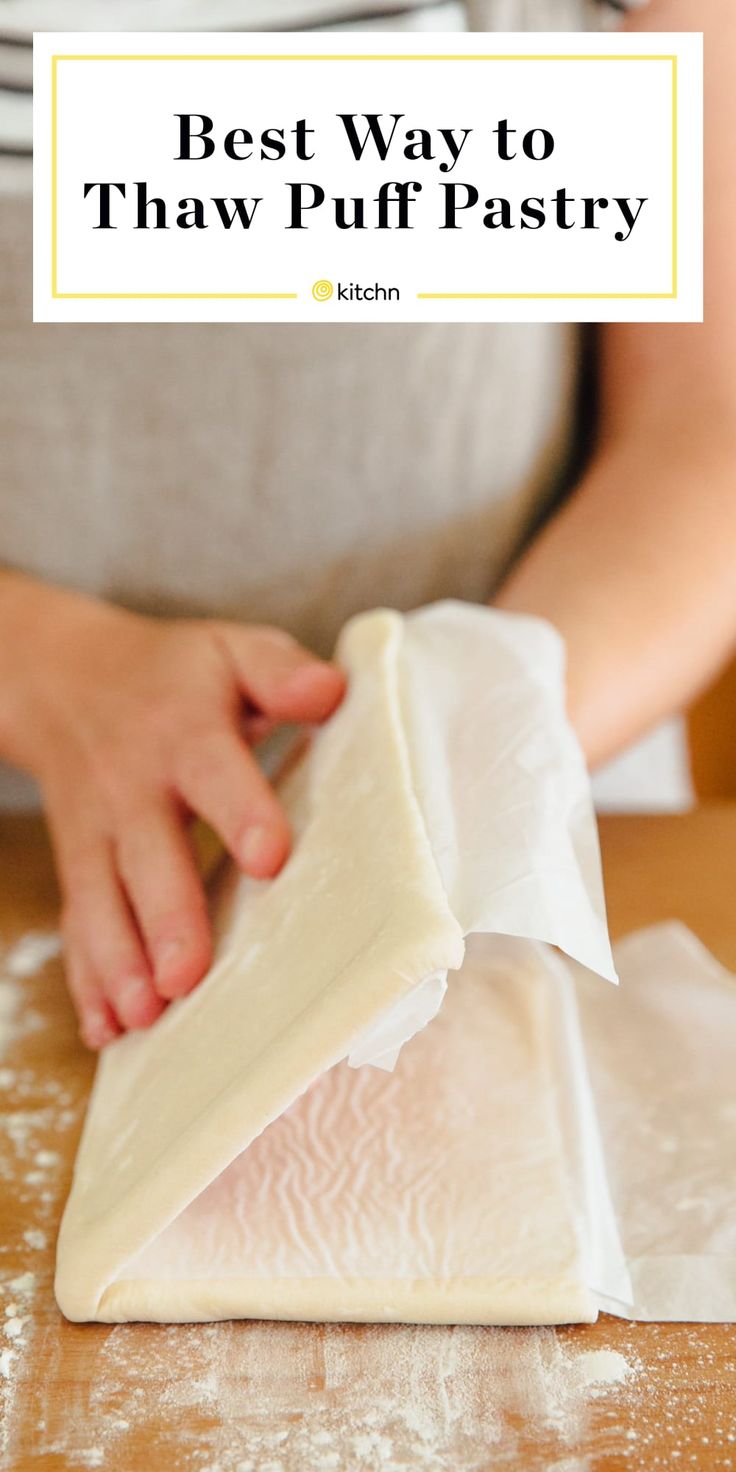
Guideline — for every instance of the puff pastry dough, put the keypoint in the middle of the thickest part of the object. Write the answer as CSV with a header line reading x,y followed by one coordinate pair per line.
x,y
446,795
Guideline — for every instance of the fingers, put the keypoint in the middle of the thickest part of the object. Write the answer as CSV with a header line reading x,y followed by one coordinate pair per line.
x,y
157,867
97,1022
220,781
106,944
121,970
283,680
136,924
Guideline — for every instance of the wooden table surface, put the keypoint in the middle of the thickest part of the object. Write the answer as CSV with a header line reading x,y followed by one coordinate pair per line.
x,y
259,1397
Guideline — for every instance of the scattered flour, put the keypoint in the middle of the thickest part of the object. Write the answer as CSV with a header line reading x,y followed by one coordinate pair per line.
x,y
14,1327
91,1456
35,1238
25,959
30,954
369,1398
36,1110
25,1284
10,994
47,1158
602,1367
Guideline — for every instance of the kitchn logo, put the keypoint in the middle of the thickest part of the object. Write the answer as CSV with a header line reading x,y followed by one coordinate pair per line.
x,y
353,291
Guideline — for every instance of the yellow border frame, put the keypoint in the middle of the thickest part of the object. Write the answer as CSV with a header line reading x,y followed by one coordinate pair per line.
x,y
361,56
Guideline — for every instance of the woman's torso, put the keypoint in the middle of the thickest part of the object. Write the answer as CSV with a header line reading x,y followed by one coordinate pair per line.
x,y
293,473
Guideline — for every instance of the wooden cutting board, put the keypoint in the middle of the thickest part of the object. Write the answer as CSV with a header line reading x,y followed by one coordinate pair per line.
x,y
269,1397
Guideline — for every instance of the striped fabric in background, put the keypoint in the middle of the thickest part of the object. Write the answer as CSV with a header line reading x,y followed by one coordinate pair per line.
x,y
19,19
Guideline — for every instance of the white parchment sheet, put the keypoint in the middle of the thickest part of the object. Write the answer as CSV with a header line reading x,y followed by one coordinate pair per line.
x,y
661,1053
504,794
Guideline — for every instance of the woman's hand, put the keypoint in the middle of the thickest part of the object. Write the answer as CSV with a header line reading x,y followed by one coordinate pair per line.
x,y
637,569
131,726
